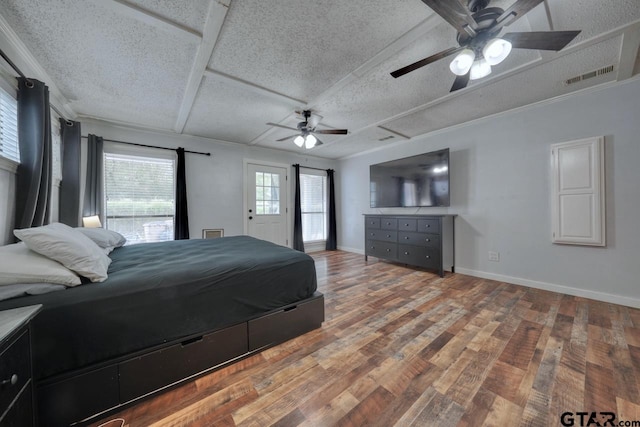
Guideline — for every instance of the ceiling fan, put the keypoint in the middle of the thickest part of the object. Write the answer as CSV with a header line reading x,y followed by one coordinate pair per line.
x,y
306,130
479,46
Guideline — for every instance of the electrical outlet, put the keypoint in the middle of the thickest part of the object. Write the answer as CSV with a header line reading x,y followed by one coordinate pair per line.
x,y
494,256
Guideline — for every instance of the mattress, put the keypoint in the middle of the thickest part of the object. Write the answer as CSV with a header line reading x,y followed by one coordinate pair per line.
x,y
160,292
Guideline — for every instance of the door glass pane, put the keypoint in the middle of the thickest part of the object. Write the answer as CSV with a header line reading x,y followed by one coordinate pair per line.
x,y
267,193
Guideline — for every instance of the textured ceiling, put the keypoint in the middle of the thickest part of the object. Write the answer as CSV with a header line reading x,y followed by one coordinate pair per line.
x,y
223,68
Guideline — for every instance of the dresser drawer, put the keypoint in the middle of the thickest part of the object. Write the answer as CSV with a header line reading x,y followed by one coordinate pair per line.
x,y
381,249
419,239
21,413
372,222
15,369
389,223
417,255
429,225
383,235
407,224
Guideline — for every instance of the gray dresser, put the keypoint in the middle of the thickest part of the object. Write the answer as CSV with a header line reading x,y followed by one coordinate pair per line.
x,y
419,240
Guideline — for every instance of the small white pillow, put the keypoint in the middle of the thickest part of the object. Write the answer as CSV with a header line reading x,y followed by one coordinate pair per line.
x,y
69,247
106,239
19,264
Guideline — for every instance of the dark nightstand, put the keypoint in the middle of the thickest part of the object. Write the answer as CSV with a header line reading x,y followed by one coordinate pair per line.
x,y
16,385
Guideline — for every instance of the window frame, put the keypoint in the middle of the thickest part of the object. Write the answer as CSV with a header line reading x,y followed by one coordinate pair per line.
x,y
118,149
323,175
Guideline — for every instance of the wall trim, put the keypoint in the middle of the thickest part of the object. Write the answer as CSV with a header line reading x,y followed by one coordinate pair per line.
x,y
598,296
353,250
8,165
568,290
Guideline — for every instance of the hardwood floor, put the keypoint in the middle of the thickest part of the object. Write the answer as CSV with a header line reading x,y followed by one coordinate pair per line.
x,y
405,347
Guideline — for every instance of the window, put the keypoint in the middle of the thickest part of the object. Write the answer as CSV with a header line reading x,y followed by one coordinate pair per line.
x,y
8,126
140,197
267,193
313,203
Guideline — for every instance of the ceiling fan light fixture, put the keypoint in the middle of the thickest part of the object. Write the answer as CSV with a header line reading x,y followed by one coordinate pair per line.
x,y
462,62
299,141
496,50
480,69
310,141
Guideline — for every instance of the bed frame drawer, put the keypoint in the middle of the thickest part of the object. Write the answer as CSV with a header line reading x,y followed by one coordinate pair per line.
x,y
73,399
283,325
155,370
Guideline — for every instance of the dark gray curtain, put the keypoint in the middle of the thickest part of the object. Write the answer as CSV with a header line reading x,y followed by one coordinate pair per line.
x,y
33,181
181,228
69,210
332,241
298,244
94,189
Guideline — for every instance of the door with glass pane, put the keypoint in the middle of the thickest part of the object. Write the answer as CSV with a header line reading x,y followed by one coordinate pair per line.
x,y
267,203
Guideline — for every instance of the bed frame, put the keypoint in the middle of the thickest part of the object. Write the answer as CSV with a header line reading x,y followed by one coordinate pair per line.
x,y
77,397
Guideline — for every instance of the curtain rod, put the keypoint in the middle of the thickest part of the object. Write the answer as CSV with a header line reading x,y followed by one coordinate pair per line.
x,y
14,66
309,167
150,146
21,74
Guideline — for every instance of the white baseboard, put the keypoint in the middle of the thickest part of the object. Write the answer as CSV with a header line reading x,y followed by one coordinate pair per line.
x,y
599,296
354,250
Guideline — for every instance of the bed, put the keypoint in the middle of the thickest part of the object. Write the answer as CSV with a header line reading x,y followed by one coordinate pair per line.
x,y
166,312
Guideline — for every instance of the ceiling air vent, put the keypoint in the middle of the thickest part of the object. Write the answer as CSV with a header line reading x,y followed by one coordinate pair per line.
x,y
589,75
386,138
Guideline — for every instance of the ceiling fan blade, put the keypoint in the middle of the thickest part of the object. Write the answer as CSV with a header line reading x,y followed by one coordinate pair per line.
x,y
543,40
460,82
515,12
331,131
409,68
288,137
281,126
455,14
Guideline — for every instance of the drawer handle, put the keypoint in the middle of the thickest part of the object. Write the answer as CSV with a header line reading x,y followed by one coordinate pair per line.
x,y
388,223
428,225
191,341
373,234
406,225
11,381
428,240
406,237
427,257
373,247
388,235
406,253
388,250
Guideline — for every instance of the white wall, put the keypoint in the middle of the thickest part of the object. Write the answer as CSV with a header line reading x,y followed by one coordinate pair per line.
x,y
215,189
500,189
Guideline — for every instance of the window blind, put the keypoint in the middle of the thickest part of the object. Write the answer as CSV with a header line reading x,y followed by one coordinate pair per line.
x,y
140,197
313,203
8,127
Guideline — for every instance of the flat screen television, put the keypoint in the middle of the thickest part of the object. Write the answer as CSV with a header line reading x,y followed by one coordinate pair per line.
x,y
416,181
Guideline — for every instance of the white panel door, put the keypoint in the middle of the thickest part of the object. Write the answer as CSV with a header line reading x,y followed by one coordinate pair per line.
x,y
267,203
578,192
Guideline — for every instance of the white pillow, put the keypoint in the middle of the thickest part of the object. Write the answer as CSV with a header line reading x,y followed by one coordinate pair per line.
x,y
106,239
19,264
69,247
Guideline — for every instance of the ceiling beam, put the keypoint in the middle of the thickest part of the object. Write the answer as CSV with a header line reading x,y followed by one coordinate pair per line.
x,y
393,48
215,18
247,85
629,52
143,15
